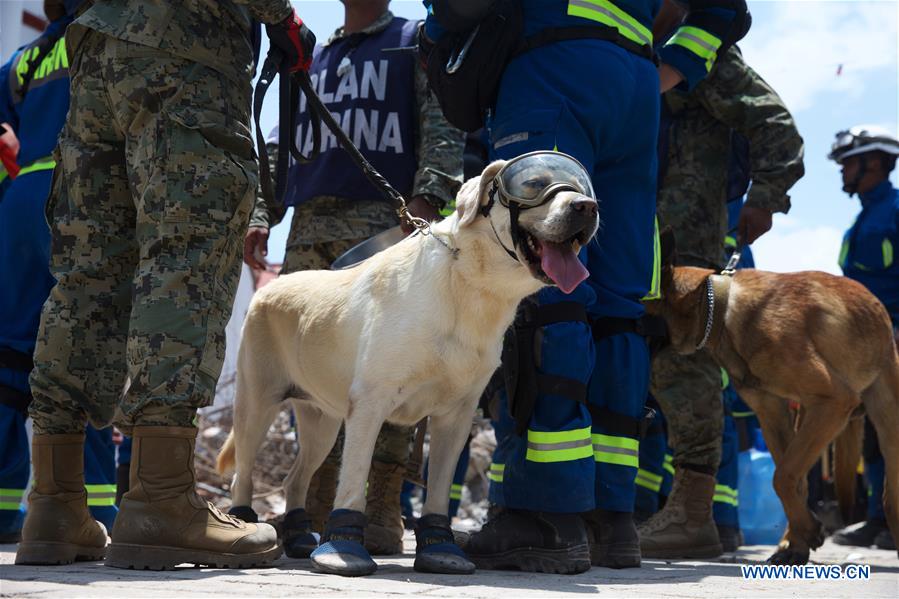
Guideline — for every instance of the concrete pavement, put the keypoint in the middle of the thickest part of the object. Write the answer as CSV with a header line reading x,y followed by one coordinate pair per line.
x,y
395,576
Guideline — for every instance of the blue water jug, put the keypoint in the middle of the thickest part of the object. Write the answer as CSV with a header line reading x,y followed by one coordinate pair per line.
x,y
762,517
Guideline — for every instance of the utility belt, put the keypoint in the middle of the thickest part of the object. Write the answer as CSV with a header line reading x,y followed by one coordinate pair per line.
x,y
524,383
13,398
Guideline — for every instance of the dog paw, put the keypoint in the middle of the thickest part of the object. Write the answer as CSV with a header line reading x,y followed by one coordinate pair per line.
x,y
788,557
816,538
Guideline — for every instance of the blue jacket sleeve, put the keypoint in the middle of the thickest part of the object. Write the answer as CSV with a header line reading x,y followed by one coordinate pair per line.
x,y
710,28
7,109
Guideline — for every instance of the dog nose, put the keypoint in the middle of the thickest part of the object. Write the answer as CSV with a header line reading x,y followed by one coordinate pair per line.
x,y
585,205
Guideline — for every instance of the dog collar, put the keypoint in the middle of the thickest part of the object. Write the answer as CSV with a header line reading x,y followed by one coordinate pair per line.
x,y
714,295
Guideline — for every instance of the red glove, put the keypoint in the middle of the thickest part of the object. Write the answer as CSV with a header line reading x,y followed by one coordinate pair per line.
x,y
295,40
9,149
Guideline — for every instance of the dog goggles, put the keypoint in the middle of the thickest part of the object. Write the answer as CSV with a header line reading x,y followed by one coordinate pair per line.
x,y
534,178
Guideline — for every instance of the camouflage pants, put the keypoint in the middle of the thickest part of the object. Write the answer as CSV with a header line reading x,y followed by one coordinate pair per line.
x,y
393,444
148,209
688,388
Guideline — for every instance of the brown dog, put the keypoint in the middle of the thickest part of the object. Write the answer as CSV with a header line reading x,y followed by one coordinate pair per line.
x,y
821,340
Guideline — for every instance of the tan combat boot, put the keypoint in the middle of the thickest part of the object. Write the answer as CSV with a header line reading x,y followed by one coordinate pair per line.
x,y
320,497
384,532
59,528
162,522
685,527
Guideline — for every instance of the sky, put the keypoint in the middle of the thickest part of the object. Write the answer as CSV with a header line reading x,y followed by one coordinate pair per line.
x,y
835,63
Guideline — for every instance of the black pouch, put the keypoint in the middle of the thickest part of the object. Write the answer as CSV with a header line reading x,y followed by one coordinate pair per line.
x,y
465,68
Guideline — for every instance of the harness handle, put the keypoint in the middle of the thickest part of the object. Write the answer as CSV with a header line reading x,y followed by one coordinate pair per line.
x,y
288,103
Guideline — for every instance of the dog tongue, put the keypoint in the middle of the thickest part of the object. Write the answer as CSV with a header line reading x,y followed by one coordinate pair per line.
x,y
561,265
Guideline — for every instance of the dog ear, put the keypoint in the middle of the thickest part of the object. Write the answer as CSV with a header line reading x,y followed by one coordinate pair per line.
x,y
668,247
474,193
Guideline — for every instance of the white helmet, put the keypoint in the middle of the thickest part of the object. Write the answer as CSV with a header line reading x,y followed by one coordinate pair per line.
x,y
861,139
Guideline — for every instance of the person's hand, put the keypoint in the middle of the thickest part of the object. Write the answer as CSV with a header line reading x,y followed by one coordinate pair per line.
x,y
668,77
421,208
753,223
8,140
295,40
255,248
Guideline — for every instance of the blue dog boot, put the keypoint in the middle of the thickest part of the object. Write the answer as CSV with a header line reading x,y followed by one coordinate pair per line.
x,y
297,534
435,549
343,552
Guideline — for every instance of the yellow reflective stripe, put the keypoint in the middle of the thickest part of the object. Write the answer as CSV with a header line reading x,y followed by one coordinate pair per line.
x,y
47,164
456,492
725,494
621,451
709,40
558,446
100,495
730,241
648,480
742,414
844,252
725,380
699,42
607,13
887,247
11,499
3,174
553,437
655,291
669,464
496,472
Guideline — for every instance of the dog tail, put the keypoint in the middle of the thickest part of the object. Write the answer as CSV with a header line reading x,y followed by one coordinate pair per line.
x,y
225,462
847,453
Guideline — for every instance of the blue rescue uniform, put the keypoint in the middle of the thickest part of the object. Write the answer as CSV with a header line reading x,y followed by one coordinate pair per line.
x,y
867,256
598,102
34,100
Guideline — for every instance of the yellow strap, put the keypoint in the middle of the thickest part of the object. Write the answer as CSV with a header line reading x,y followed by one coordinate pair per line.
x,y
887,247
655,291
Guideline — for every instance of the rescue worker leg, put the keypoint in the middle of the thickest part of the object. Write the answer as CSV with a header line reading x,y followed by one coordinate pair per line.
x,y
538,528
384,526
624,266
100,475
78,360
726,497
144,121
650,474
689,390
14,471
24,264
874,531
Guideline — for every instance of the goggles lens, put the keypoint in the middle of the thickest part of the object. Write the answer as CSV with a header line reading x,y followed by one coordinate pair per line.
x,y
528,178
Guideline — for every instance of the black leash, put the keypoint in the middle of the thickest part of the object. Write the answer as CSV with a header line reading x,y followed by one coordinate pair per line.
x,y
288,102
290,85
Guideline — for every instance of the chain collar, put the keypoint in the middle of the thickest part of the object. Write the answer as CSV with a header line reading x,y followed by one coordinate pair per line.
x,y
710,292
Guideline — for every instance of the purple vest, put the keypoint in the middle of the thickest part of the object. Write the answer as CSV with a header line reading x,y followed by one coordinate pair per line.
x,y
372,95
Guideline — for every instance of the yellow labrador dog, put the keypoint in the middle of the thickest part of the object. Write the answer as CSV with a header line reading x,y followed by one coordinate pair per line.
x,y
414,331
822,341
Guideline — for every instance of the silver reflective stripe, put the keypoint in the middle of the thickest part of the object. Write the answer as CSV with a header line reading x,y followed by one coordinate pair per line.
x,y
561,445
697,41
590,6
611,449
